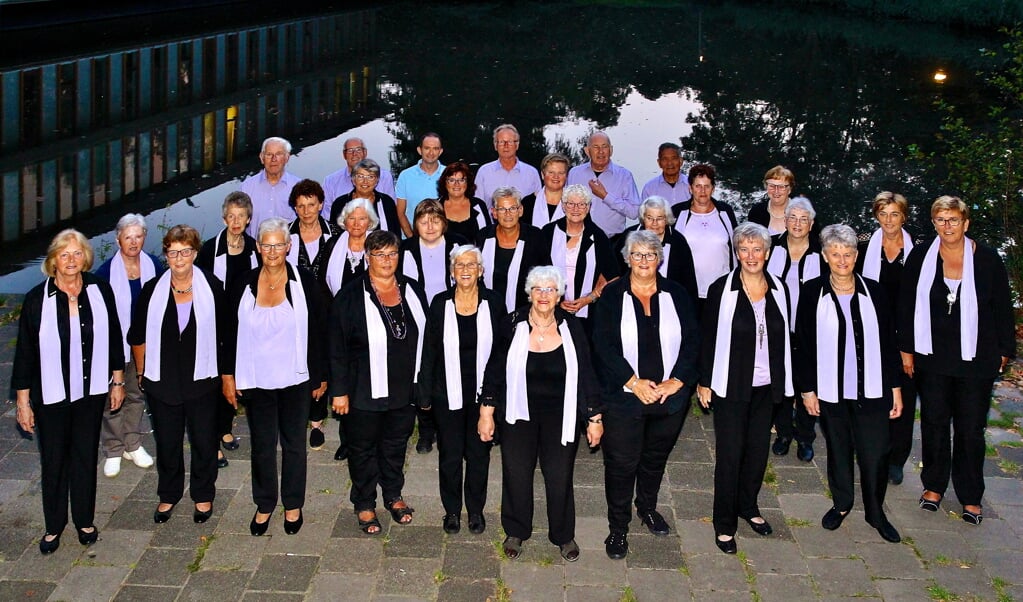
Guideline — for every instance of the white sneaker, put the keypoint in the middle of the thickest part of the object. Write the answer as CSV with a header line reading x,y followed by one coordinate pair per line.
x,y
112,467
140,457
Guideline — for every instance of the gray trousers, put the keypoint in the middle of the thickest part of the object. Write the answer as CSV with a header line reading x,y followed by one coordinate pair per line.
x,y
121,430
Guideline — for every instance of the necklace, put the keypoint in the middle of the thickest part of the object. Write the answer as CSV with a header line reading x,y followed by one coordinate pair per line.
x,y
541,329
773,216
397,324
354,258
841,290
236,245
951,297
273,286
181,292
760,317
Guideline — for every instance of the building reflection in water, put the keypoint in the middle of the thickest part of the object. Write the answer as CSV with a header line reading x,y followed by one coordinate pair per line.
x,y
84,132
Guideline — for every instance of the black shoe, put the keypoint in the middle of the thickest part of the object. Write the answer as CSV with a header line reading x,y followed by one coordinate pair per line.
x,y
654,521
763,528
512,547
804,451
888,532
616,545
222,461
258,529
230,445
87,538
833,519
570,551
477,524
728,546
973,518
424,446
929,505
895,475
49,547
316,438
452,523
292,527
781,446
341,453
162,516
201,516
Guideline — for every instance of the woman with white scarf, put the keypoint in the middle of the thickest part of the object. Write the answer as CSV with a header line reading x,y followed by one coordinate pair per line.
x,y
174,341
310,233
365,178
676,264
545,207
127,271
541,385
229,255
847,366
376,342
273,362
956,334
508,248
881,258
745,368
69,358
459,337
646,359
795,258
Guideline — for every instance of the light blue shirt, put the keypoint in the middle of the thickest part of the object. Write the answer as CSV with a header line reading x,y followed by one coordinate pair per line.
x,y
339,184
269,200
414,185
491,176
621,202
674,194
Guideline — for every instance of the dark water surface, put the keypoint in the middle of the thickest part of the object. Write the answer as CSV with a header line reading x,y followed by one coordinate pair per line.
x,y
168,125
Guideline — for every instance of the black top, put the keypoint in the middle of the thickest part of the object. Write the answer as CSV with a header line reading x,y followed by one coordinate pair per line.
x,y
759,214
348,273
529,205
680,258
27,370
411,245
470,228
467,355
237,265
890,275
382,204
529,235
996,335
592,236
545,382
177,353
313,264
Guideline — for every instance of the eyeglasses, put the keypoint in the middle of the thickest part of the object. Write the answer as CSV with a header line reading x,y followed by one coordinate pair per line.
x,y
364,177
951,221
507,142
576,205
798,220
387,255
267,247
511,209
456,180
778,186
174,253
467,266
637,257
354,150
544,290
555,174
277,155
655,219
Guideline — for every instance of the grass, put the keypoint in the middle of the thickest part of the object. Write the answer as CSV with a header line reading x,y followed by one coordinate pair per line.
x,y
628,595
10,317
1008,466
439,577
545,560
990,451
999,586
941,593
797,522
1007,420
771,477
1016,444
502,593
751,577
200,553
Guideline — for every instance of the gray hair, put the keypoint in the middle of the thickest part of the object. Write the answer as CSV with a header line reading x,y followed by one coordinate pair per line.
x,y
278,140
369,165
589,139
506,126
506,191
657,202
545,273
271,225
751,231
352,205
236,199
838,235
460,250
800,203
578,191
643,238
131,219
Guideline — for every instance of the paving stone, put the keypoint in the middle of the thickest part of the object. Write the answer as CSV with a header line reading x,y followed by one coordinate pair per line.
x,y
904,590
272,597
766,555
465,590
471,561
135,514
408,577
692,476
995,534
1004,564
841,577
651,584
145,489
215,585
716,572
415,542
586,593
589,501
885,560
162,566
147,593
815,542
12,488
697,537
783,588
693,505
596,569
181,532
329,587
90,583
650,552
799,479
26,590
932,544
531,582
967,583
230,552
284,573
14,541
23,466
118,548
352,555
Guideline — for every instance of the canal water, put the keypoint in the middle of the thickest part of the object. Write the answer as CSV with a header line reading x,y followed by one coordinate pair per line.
x,y
169,124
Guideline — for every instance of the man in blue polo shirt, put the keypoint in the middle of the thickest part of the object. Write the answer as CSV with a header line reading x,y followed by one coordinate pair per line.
x,y
419,181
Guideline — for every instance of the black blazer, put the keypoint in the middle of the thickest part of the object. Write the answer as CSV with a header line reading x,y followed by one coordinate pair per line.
x,y
744,339
805,355
592,236
470,228
382,204
758,214
304,261
177,355
615,371
412,246
206,256
531,256
683,212
432,381
27,371
680,261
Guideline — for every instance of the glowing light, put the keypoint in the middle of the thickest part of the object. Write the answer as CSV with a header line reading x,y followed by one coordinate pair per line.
x,y
940,76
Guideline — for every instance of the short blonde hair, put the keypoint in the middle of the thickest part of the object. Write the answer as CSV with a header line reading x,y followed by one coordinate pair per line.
x,y
950,203
780,172
57,246
883,199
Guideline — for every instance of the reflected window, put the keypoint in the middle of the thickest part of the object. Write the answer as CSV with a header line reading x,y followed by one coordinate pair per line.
x,y
66,99
100,84
31,111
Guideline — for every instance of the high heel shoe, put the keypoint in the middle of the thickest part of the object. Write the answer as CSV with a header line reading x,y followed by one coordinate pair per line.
x,y
201,516
257,528
292,527
87,538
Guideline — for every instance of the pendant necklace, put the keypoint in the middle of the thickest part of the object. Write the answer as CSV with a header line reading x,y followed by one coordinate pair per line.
x,y
272,286
951,297
759,317
540,330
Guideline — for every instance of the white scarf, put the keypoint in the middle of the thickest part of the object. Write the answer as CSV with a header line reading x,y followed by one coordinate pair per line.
x,y
122,291
723,340
484,343
559,248
337,263
517,407
378,206
669,331
220,257
780,263
246,364
205,327
967,303
829,364
51,352
539,217
666,250
872,262
377,336
511,288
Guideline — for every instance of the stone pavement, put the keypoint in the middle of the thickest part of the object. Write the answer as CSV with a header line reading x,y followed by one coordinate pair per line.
x,y
330,559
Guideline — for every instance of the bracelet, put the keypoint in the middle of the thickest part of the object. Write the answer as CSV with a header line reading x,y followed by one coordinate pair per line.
x,y
115,384
595,420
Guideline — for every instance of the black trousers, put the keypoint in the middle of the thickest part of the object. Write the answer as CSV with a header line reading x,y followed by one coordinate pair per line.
x,y
377,443
900,430
636,450
522,444
457,441
278,415
225,416
427,425
794,424
742,436
68,439
850,433
960,404
197,417
318,413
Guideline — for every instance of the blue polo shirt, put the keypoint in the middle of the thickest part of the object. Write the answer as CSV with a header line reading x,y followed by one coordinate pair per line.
x,y
414,185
